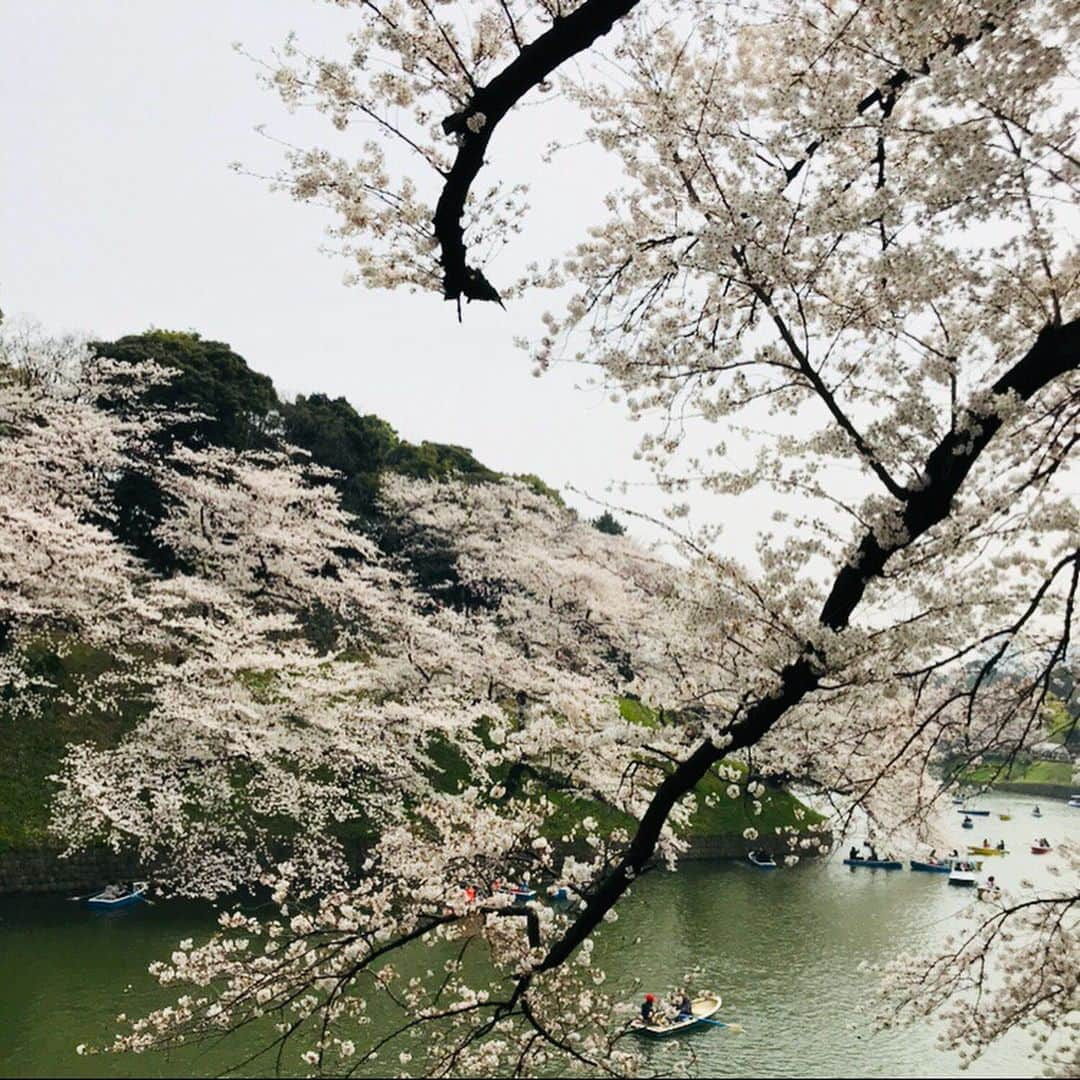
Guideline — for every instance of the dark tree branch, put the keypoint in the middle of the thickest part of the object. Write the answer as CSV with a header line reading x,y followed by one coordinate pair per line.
x,y
1056,351
885,95
568,36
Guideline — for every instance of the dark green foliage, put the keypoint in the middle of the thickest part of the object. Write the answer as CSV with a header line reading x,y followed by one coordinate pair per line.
x,y
230,405
439,461
238,406
338,437
538,487
606,523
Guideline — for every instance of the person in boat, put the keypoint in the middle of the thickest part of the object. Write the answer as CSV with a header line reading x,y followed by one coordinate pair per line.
x,y
648,1009
1044,842
986,842
684,1007
873,854
1001,845
954,854
853,854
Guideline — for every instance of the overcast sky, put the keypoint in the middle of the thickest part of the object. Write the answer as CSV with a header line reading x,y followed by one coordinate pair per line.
x,y
119,213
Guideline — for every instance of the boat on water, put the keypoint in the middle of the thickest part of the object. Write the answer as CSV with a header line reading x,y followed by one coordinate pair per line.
x,y
974,813
931,867
1036,812
520,893
1040,848
1005,817
1074,802
988,891
973,850
965,872
558,894
967,823
876,864
703,1007
118,896
762,860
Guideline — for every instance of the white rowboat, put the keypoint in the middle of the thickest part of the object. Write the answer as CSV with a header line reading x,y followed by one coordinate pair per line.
x,y
703,1007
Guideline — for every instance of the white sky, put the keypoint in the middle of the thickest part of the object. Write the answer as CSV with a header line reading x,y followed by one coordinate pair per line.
x,y
119,213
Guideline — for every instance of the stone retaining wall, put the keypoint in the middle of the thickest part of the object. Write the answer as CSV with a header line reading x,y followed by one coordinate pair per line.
x,y
736,847
47,872
1041,791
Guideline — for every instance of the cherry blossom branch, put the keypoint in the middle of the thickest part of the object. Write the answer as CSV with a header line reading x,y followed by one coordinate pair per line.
x,y
568,36
1055,352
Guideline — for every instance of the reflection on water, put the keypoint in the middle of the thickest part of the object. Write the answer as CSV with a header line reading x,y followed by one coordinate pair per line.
x,y
783,947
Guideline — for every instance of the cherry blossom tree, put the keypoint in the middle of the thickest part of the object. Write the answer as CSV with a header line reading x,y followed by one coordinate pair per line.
x,y
842,256
848,228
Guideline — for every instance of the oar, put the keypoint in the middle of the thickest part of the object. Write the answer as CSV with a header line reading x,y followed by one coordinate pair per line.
x,y
736,1028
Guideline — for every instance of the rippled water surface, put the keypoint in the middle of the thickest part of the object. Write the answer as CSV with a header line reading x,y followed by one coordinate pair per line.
x,y
782,947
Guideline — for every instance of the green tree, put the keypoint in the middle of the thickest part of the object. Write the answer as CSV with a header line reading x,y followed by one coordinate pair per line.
x,y
607,523
237,407
358,446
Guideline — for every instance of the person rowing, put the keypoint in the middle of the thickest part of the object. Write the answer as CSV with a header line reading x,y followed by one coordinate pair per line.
x,y
648,1010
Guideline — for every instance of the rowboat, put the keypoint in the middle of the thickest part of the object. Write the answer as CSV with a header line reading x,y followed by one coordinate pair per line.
x,y
109,899
703,1007
1036,812
763,862
1038,849
986,851
1074,802
558,894
967,823
930,867
965,872
1005,817
975,813
522,895
988,892
876,864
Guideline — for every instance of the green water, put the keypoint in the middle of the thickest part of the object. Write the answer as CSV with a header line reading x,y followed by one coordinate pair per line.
x,y
782,947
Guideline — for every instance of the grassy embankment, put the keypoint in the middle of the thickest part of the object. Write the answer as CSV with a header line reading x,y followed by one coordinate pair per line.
x,y
1035,775
717,816
31,748
31,751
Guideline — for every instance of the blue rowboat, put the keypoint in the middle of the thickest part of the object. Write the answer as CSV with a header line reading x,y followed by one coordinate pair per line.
x,y
931,868
975,813
558,895
875,864
703,1007
107,900
521,895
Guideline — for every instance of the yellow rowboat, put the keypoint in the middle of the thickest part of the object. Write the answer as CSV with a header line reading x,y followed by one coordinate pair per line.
x,y
986,851
1005,817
